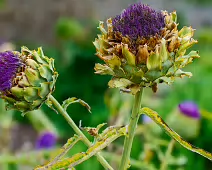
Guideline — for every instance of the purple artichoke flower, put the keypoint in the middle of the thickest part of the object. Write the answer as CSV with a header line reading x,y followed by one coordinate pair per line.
x,y
190,109
143,47
46,140
27,78
9,64
138,20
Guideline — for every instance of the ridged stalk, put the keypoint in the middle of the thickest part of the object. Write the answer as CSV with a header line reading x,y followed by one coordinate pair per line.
x,y
131,131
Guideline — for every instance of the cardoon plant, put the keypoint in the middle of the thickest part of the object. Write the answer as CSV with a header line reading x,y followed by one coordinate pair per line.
x,y
28,80
141,48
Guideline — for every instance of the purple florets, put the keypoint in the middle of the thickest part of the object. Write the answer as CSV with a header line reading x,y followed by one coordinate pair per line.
x,y
138,20
46,140
189,109
9,63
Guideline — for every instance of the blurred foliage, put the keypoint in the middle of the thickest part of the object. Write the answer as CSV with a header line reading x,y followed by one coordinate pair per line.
x,y
67,28
200,2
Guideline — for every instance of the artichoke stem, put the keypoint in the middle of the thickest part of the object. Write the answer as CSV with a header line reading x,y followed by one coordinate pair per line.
x,y
131,131
78,131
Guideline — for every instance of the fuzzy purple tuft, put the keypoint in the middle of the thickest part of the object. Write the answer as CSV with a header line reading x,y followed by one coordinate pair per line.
x,y
146,119
9,63
46,140
190,109
138,20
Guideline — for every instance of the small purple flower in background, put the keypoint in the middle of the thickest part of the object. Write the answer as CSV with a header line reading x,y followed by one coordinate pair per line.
x,y
9,63
46,140
146,119
190,109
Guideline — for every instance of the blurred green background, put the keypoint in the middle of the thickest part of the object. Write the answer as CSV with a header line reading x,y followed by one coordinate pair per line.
x,y
65,29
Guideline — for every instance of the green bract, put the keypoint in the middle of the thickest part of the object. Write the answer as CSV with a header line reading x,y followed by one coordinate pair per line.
x,y
33,83
146,61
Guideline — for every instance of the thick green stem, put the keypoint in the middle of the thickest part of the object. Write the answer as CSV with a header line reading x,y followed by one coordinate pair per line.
x,y
78,131
131,131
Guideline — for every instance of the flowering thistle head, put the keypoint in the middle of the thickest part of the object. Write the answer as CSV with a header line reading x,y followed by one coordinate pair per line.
x,y
9,64
138,21
190,109
186,115
46,140
142,47
27,79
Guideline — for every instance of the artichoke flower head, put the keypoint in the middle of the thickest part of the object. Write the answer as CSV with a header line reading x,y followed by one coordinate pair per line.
x,y
26,79
142,47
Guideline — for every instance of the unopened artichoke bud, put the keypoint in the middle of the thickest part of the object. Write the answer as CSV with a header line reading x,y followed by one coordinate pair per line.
x,y
26,79
142,47
185,120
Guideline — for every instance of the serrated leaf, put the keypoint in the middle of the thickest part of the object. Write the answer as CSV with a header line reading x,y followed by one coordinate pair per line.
x,y
99,145
186,59
113,62
157,119
119,82
181,74
103,69
72,100
69,144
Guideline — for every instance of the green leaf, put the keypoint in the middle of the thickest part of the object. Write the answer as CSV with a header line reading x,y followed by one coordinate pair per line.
x,y
186,59
108,136
186,32
163,53
157,119
31,94
69,144
45,72
154,60
114,62
72,100
130,57
119,82
103,69
174,16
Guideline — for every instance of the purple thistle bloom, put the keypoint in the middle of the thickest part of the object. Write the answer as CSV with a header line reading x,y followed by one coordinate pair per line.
x,y
46,140
190,109
9,63
138,20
